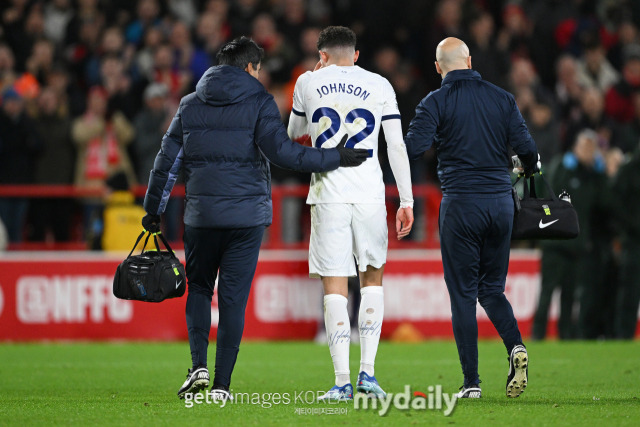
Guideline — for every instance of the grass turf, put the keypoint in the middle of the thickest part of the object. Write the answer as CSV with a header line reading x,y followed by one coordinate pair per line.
x,y
572,383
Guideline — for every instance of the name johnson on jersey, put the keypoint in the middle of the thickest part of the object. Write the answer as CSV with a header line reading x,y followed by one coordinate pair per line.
x,y
344,88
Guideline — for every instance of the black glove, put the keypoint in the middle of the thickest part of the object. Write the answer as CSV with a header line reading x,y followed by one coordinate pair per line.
x,y
532,168
151,223
351,156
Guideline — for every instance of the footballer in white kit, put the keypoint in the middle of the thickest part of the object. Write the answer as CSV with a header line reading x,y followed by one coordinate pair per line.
x,y
348,213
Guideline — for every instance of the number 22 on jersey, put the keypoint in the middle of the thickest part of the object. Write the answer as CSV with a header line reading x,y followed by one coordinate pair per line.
x,y
336,123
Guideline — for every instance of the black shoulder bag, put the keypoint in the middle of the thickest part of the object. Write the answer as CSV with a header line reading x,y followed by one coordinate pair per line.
x,y
542,219
152,276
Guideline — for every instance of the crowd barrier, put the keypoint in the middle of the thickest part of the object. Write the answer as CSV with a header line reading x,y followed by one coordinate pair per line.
x,y
427,198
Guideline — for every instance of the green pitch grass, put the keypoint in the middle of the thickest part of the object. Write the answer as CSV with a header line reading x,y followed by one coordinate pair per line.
x,y
575,383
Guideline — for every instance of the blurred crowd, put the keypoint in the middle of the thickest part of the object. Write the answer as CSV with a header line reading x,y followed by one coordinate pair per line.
x,y
88,88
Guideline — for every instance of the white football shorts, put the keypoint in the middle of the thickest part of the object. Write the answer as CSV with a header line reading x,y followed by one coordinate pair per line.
x,y
341,231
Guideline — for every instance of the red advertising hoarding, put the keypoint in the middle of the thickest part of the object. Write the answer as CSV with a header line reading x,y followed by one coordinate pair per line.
x,y
68,297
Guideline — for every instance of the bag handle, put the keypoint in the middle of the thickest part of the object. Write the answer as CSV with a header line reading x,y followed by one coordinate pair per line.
x,y
164,241
155,241
530,190
138,241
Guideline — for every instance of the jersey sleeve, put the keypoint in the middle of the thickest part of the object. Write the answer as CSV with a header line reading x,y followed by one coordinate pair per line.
x,y
396,149
298,127
390,108
298,95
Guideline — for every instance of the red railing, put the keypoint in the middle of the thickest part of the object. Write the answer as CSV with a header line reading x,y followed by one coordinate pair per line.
x,y
426,226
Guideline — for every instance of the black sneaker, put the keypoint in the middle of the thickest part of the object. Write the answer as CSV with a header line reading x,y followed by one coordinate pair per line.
x,y
470,392
518,371
196,380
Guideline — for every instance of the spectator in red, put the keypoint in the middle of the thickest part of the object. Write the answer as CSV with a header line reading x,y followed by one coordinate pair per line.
x,y
101,140
619,101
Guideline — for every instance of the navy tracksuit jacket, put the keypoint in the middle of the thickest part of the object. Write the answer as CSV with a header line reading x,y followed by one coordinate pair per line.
x,y
223,137
473,124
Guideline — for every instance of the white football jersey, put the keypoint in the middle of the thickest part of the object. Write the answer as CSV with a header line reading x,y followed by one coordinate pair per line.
x,y
339,100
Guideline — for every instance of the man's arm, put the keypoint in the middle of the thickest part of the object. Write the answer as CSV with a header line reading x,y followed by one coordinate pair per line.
x,y
165,168
423,127
520,139
271,137
398,160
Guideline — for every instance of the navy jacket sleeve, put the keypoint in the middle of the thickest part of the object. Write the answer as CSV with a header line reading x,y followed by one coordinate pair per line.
x,y
273,141
423,127
166,168
520,138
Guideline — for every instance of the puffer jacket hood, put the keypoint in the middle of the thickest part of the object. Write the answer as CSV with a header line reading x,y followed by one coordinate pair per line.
x,y
225,85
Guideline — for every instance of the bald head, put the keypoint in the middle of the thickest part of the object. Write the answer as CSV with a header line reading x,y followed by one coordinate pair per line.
x,y
452,54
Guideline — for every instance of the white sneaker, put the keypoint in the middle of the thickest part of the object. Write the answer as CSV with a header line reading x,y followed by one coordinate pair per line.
x,y
220,395
471,392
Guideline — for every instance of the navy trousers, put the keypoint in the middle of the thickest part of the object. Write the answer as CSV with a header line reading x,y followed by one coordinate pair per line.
x,y
233,255
475,237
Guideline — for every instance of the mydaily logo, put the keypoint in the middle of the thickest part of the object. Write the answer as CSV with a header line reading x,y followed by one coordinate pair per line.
x,y
434,399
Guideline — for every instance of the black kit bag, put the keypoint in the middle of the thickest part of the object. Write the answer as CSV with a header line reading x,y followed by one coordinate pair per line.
x,y
542,219
152,276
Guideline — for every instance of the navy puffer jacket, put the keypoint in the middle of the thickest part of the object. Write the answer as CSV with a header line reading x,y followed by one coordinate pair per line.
x,y
222,136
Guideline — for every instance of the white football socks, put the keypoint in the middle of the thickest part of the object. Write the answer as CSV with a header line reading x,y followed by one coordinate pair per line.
x,y
370,325
336,320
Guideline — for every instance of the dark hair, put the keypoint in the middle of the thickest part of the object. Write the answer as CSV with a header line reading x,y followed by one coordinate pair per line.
x,y
336,37
240,53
